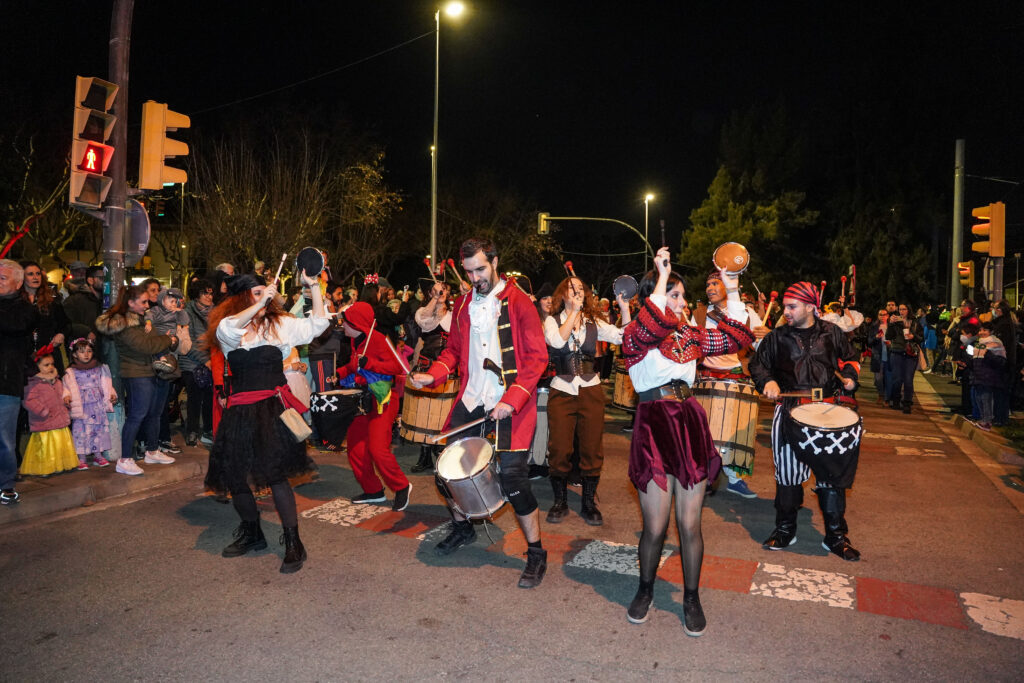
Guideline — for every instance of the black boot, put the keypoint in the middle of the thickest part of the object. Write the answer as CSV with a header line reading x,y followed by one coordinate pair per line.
x,y
640,608
462,534
426,461
294,551
536,565
248,537
694,622
833,509
588,509
787,503
559,509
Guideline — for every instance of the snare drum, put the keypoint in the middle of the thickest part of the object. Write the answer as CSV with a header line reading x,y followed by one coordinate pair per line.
x,y
468,471
625,397
732,418
539,451
826,438
425,410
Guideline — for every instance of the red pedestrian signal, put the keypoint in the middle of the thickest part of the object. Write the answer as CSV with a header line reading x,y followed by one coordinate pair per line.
x,y
92,160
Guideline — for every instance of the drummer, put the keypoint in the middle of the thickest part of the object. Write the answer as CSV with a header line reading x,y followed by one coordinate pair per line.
x,y
434,319
497,344
805,353
576,402
725,301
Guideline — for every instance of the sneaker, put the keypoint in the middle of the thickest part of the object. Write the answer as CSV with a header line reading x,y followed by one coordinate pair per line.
x,y
363,498
100,461
82,466
9,497
462,533
158,458
402,498
128,466
192,439
206,439
740,488
694,622
536,566
169,447
639,609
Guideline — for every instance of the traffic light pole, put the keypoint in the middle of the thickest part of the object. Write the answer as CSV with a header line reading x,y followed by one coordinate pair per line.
x,y
114,211
955,293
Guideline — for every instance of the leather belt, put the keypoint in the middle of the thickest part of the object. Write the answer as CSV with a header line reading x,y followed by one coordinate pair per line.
x,y
676,390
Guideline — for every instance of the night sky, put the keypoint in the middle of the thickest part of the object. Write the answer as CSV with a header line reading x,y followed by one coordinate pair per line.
x,y
581,106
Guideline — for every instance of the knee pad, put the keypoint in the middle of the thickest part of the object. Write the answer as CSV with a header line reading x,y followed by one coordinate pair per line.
x,y
515,483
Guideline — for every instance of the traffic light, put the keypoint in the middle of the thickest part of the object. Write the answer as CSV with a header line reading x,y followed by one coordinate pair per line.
x,y
966,270
542,224
90,155
992,232
157,121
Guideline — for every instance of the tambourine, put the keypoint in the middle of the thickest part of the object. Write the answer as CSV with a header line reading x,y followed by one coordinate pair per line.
x,y
626,286
311,260
732,257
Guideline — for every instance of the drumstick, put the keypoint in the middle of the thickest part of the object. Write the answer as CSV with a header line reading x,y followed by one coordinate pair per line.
x,y
663,244
474,423
400,360
756,289
842,292
276,277
430,270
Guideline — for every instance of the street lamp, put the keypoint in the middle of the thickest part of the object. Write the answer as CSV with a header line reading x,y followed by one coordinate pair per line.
x,y
452,9
648,198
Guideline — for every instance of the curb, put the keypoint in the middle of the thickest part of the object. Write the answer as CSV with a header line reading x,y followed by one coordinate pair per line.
x,y
993,444
41,497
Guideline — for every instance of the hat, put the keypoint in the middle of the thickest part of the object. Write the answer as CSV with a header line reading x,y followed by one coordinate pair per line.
x,y
360,316
803,291
546,289
242,283
77,265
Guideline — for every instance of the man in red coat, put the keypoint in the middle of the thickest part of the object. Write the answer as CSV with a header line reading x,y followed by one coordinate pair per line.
x,y
497,344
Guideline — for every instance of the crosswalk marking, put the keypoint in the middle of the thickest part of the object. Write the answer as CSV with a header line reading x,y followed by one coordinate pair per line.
x,y
1001,616
811,585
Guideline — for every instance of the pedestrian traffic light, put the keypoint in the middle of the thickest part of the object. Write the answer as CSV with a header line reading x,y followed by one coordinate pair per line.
x,y
992,232
966,270
90,153
157,121
542,224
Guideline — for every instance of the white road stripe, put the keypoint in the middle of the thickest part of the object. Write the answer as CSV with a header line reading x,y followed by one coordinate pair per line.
x,y
1001,616
774,580
620,558
343,512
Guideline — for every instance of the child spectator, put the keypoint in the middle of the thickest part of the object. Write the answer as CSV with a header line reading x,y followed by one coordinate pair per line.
x,y
988,367
92,398
50,448
168,316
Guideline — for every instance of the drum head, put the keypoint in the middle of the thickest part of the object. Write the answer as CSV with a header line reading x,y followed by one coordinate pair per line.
x,y
311,260
626,286
825,415
464,458
732,256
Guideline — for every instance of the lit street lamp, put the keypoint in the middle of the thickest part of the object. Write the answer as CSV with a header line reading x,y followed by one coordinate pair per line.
x,y
452,9
648,198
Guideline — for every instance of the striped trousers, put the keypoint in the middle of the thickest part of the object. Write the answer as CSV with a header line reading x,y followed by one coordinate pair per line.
x,y
788,470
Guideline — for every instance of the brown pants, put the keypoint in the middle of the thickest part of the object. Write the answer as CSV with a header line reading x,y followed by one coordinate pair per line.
x,y
571,416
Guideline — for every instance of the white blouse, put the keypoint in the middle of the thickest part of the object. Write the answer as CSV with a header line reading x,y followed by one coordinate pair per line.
x,y
605,332
291,332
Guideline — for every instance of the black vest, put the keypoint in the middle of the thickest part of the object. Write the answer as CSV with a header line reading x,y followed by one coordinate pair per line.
x,y
572,360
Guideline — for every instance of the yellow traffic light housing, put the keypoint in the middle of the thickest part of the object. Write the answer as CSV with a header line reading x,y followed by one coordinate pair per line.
x,y
542,224
966,271
156,147
992,232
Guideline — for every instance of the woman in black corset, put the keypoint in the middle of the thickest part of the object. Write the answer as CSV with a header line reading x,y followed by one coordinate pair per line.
x,y
252,446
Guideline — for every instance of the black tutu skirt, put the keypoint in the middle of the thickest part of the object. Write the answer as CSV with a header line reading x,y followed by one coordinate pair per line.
x,y
254,448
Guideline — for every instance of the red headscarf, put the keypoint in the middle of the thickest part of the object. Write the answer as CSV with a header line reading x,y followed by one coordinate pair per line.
x,y
803,291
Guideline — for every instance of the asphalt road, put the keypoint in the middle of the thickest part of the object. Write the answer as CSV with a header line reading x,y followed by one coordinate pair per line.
x,y
136,589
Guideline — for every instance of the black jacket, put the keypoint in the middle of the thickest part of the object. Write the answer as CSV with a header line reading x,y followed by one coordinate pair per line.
x,y
800,360
17,320
898,341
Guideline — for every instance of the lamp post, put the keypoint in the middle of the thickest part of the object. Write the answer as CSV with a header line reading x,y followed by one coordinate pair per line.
x,y
648,198
452,9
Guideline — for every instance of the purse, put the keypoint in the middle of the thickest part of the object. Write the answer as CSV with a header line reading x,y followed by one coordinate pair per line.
x,y
295,424
922,362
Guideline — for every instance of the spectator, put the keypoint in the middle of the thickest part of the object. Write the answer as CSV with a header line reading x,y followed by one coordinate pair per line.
x,y
52,323
168,317
17,320
988,370
151,286
880,354
226,268
92,399
50,448
904,337
1005,328
968,320
195,366
84,303
123,322
76,271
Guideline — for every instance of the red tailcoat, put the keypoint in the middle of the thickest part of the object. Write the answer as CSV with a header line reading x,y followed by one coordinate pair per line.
x,y
531,359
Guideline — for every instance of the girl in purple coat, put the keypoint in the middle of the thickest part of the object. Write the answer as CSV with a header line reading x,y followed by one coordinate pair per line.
x,y
92,398
50,448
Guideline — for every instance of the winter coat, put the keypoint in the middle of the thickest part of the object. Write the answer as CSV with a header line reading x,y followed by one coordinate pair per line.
x,y
82,307
17,320
899,341
990,369
197,324
135,347
44,402
71,385
1004,328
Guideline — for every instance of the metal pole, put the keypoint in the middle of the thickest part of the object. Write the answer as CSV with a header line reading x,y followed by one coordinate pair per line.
x,y
646,203
114,214
433,148
955,293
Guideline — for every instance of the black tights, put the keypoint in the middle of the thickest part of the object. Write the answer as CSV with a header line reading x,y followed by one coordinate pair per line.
x,y
284,501
656,505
